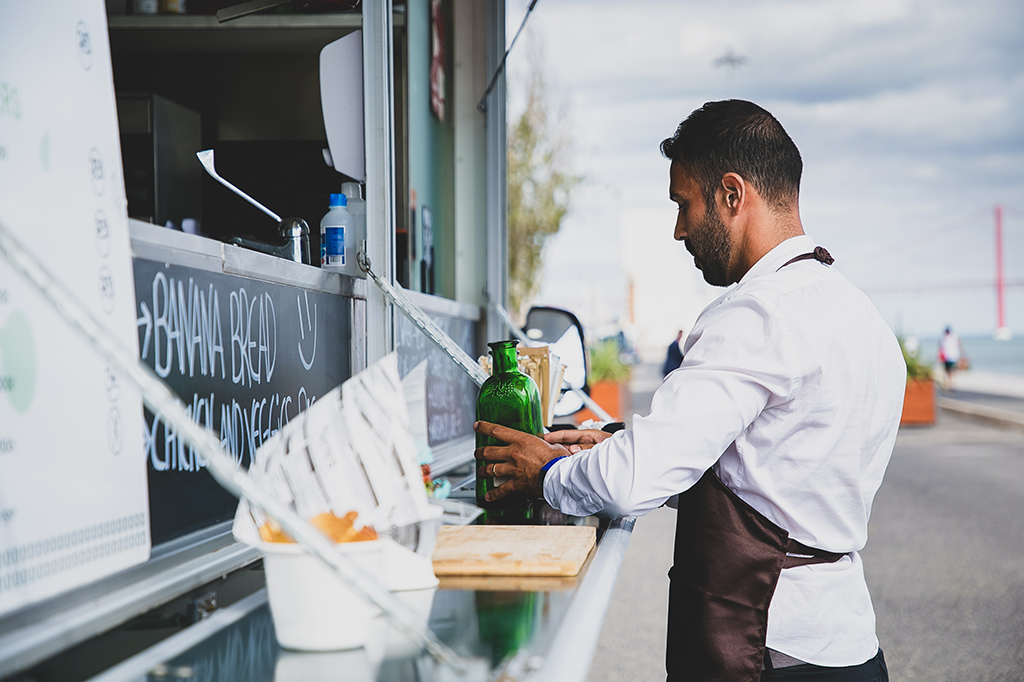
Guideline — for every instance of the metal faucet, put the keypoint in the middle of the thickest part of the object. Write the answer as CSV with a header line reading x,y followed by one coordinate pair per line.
x,y
294,231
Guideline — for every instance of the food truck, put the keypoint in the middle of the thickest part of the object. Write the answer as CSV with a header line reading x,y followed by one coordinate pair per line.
x,y
117,556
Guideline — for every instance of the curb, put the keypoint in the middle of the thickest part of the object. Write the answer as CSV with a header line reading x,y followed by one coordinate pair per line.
x,y
983,414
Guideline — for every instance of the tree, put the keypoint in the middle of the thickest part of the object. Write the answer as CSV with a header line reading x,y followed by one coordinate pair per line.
x,y
540,187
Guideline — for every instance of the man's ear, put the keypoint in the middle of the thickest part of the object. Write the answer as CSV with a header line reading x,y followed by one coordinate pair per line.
x,y
732,191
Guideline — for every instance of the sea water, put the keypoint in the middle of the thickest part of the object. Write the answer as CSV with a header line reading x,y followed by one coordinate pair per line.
x,y
984,353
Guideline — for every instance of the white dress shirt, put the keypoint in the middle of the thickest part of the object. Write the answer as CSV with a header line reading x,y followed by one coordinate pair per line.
x,y
791,387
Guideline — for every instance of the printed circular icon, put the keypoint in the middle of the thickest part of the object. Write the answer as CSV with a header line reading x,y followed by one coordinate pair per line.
x,y
111,384
96,171
102,233
114,431
84,45
106,283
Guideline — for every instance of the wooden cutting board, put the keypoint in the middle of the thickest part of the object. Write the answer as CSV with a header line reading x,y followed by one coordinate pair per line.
x,y
513,550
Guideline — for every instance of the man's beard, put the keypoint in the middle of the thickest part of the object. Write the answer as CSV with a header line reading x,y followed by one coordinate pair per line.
x,y
710,247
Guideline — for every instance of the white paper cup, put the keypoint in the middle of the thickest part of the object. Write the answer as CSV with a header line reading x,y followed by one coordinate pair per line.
x,y
428,531
398,645
411,580
312,607
326,666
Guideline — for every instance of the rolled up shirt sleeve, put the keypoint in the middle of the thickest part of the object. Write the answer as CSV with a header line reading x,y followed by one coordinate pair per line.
x,y
736,363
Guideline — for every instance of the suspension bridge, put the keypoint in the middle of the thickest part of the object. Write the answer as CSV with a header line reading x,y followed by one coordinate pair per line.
x,y
1000,218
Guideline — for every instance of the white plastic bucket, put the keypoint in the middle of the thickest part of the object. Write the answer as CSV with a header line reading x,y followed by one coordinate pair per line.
x,y
312,607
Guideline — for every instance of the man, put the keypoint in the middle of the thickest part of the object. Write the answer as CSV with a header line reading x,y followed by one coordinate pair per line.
x,y
674,355
950,352
776,429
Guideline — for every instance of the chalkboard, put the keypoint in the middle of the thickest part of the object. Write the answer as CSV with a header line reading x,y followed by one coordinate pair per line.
x,y
451,394
245,356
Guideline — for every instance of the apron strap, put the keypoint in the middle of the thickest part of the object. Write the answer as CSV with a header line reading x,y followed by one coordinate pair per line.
x,y
808,555
819,254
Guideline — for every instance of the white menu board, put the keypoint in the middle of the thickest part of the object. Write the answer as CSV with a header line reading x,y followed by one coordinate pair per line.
x,y
73,499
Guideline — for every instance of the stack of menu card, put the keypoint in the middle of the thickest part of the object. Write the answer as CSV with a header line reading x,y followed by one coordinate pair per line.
x,y
352,450
547,370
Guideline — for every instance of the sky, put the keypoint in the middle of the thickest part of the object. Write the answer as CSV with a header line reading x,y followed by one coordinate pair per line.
x,y
909,117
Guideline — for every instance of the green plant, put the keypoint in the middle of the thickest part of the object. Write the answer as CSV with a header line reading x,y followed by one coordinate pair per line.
x,y
605,364
917,367
541,185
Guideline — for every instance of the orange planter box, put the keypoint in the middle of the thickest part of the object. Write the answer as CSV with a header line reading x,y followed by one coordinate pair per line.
x,y
919,403
607,394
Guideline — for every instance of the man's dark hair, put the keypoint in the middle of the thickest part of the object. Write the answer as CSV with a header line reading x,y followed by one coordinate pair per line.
x,y
739,137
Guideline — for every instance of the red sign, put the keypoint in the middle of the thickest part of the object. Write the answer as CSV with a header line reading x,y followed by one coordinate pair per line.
x,y
436,59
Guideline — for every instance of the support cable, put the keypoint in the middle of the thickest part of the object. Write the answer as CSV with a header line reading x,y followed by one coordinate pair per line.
x,y
482,106
433,332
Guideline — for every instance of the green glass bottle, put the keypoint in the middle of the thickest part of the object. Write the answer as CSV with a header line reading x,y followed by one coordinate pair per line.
x,y
506,621
509,398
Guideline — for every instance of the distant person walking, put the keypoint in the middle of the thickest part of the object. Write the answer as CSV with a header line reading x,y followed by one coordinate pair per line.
x,y
674,357
951,353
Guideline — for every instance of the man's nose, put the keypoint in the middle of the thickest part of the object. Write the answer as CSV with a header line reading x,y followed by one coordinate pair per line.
x,y
680,231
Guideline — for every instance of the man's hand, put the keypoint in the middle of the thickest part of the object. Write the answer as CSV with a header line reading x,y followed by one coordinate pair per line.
x,y
520,461
576,440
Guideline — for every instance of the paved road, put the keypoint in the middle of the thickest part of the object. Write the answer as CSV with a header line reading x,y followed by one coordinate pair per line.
x,y
945,558
944,562
1000,401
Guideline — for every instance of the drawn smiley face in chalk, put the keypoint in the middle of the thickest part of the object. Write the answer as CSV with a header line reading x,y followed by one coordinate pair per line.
x,y
17,361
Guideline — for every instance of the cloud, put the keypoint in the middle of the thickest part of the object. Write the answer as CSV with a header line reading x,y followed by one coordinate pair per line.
x,y
805,50
972,117
907,113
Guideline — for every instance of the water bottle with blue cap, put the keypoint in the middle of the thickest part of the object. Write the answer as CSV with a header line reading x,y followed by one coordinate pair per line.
x,y
336,248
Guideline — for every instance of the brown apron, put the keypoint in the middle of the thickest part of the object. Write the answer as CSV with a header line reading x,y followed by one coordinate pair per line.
x,y
728,559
